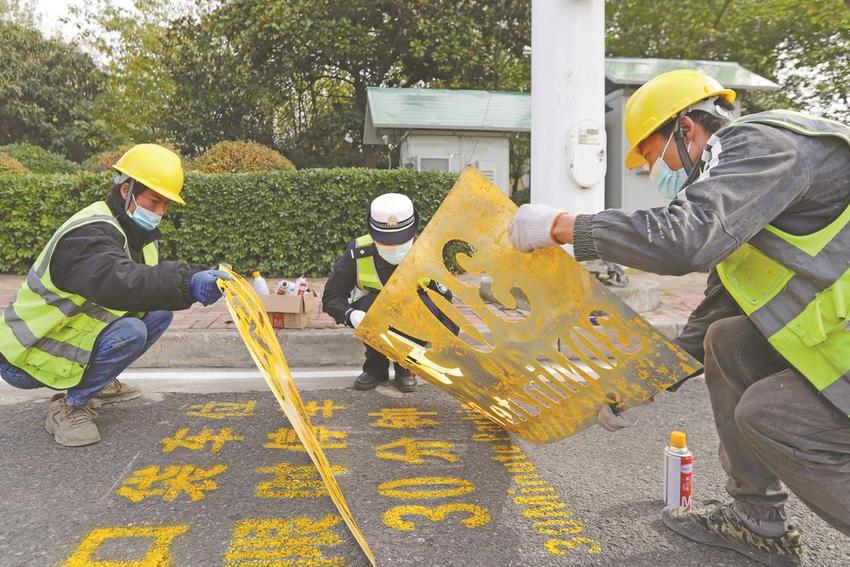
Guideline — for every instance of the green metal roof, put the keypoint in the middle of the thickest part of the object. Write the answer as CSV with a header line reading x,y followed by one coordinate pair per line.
x,y
393,109
634,71
449,109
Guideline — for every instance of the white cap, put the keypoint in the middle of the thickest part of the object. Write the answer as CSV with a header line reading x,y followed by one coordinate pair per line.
x,y
393,219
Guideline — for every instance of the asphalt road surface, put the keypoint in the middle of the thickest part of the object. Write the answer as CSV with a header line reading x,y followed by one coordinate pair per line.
x,y
216,477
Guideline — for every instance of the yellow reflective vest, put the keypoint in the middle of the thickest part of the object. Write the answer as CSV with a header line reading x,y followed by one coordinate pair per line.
x,y
50,333
796,288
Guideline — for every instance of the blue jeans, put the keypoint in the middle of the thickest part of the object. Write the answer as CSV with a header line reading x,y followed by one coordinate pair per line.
x,y
116,348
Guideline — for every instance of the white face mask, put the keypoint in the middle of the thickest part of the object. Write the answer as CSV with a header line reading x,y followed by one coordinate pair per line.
x,y
394,254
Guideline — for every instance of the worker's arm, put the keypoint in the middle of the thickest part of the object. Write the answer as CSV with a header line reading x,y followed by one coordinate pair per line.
x,y
754,173
340,284
91,261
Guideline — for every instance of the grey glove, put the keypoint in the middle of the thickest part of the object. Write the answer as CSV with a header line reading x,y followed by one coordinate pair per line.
x,y
531,227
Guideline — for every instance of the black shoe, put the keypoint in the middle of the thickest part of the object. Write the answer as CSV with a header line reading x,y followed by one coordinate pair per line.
x,y
405,381
367,381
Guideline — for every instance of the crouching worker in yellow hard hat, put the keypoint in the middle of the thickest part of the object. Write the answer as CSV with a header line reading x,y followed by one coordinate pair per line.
x,y
761,202
98,297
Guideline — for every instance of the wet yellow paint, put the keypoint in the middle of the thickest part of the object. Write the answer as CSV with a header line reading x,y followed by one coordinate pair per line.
x,y
287,439
557,546
223,410
400,488
170,482
475,516
253,324
276,542
158,553
198,442
541,375
413,451
326,410
403,418
530,491
294,481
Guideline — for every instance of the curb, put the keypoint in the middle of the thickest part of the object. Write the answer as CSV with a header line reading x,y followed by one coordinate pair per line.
x,y
223,348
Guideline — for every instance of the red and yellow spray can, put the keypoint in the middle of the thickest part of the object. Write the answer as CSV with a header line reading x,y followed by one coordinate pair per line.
x,y
678,472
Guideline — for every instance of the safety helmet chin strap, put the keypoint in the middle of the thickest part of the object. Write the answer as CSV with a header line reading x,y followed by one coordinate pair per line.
x,y
691,168
130,188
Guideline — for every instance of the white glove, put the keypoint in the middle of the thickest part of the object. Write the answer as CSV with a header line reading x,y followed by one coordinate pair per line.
x,y
356,317
607,419
531,227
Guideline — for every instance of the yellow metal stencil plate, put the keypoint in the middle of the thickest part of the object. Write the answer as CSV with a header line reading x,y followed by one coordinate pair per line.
x,y
259,336
542,375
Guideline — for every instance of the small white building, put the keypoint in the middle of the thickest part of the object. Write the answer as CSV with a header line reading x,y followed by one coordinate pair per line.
x,y
446,130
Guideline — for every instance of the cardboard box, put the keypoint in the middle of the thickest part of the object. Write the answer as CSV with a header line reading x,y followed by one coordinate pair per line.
x,y
290,311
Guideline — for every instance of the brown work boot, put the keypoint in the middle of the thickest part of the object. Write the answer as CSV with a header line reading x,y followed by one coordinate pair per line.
x,y
717,524
71,426
113,393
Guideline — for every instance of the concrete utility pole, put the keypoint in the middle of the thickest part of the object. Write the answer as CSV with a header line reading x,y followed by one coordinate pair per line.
x,y
568,104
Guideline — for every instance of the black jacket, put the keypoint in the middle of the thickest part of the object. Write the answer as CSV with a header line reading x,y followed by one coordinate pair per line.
x,y
91,261
343,280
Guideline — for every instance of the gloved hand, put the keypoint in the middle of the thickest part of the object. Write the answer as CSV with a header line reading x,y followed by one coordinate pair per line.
x,y
204,288
610,421
531,227
356,317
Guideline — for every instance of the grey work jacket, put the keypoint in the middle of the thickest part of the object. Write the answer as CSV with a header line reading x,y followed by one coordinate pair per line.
x,y
754,174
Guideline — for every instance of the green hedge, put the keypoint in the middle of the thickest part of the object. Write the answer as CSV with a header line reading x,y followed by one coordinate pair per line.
x,y
282,223
38,160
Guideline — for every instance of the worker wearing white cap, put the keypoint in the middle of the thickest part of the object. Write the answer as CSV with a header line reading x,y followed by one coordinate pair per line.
x,y
361,272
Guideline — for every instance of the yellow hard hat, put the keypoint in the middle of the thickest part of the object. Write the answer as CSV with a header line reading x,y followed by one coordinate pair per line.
x,y
663,97
155,167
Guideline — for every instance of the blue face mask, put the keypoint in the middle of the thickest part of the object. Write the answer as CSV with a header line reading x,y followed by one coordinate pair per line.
x,y
145,219
667,181
394,254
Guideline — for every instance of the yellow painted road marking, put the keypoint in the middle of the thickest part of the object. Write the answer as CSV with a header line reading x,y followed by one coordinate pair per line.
x,y
157,555
170,482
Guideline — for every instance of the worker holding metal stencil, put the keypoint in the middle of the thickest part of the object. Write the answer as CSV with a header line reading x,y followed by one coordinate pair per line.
x,y
98,297
762,202
361,272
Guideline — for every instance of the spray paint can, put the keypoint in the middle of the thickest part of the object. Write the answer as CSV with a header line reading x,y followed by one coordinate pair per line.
x,y
678,472
259,284
301,284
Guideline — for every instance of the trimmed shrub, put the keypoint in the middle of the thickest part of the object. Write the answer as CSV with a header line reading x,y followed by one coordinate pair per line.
x,y
241,157
38,160
282,223
105,160
8,164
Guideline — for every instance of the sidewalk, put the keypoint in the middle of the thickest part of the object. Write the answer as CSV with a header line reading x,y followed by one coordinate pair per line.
x,y
205,336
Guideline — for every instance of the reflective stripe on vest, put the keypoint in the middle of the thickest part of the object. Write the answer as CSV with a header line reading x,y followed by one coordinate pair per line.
x,y
367,272
796,289
49,333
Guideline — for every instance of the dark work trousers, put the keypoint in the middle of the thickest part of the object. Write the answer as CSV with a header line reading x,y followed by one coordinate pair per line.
x,y
775,430
376,364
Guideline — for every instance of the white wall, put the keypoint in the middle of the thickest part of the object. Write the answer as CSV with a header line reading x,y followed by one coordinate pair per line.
x,y
485,152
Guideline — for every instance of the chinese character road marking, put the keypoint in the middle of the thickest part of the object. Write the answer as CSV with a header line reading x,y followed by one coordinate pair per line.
x,y
415,450
402,418
198,442
174,481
